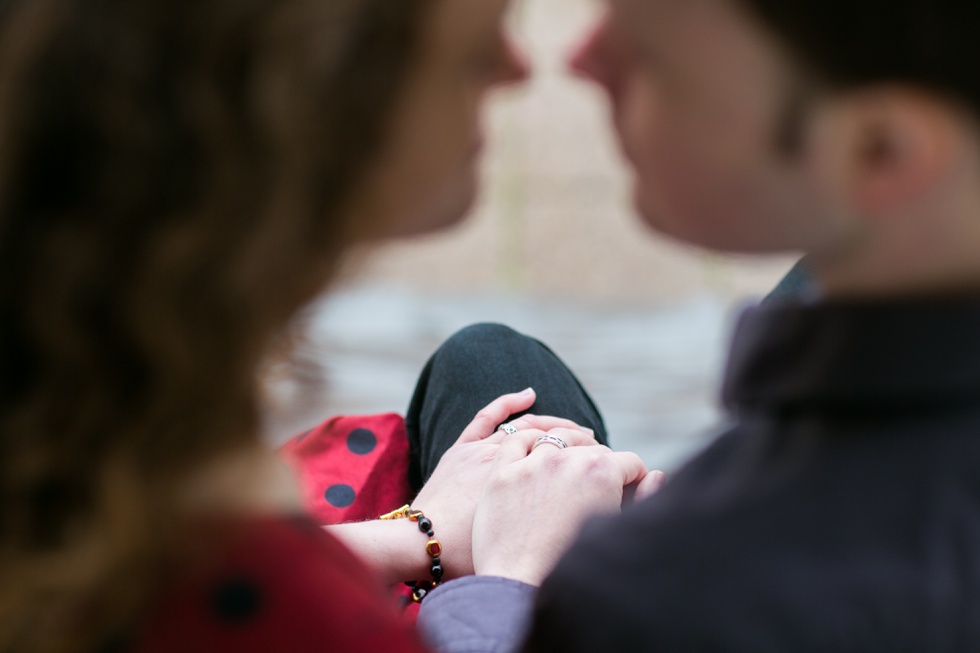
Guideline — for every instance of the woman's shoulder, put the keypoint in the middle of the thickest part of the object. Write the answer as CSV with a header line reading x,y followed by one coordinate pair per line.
x,y
277,583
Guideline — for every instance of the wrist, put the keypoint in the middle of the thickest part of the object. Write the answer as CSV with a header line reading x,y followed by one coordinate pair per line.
x,y
433,548
394,549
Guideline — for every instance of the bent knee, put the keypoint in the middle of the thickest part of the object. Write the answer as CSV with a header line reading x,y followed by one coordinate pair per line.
x,y
482,337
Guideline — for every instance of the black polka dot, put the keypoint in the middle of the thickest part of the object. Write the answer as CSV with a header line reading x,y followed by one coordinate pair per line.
x,y
340,495
236,600
362,441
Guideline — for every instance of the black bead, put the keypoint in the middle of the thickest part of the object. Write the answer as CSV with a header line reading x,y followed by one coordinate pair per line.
x,y
437,560
436,572
431,534
425,524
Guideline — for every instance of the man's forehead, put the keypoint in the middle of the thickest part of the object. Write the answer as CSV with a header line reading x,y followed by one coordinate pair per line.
x,y
643,12
669,19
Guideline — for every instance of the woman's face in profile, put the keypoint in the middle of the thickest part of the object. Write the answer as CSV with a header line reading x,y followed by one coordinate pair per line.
x,y
426,175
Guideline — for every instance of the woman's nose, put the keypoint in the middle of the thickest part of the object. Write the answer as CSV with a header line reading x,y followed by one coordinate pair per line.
x,y
516,66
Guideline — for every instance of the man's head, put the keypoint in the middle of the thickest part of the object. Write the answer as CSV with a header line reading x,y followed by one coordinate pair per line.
x,y
848,43
766,125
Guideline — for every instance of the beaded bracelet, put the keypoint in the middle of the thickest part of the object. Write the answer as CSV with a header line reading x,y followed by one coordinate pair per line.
x,y
433,547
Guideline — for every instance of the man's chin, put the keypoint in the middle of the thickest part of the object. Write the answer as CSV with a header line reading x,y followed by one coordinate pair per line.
x,y
670,225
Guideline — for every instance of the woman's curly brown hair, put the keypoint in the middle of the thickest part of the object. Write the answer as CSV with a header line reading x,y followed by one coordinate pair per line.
x,y
174,178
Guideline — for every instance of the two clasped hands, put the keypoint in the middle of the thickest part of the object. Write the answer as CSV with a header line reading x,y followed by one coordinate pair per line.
x,y
509,501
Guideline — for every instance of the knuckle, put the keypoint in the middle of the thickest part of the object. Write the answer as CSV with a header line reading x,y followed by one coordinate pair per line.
x,y
598,468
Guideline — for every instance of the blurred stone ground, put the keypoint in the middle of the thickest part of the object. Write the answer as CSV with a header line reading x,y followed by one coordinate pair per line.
x,y
652,371
553,249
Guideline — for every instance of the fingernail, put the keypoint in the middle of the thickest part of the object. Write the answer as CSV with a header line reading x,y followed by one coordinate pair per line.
x,y
528,391
659,478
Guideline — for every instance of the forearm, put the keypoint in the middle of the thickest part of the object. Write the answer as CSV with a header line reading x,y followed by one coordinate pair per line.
x,y
395,549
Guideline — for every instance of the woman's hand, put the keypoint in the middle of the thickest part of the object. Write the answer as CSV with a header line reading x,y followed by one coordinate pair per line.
x,y
536,502
450,496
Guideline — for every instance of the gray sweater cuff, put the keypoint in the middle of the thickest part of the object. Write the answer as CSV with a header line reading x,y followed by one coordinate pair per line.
x,y
477,614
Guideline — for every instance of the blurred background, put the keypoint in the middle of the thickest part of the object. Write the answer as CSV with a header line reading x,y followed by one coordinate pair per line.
x,y
552,249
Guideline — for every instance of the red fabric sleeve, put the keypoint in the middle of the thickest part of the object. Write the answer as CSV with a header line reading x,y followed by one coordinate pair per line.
x,y
352,467
284,585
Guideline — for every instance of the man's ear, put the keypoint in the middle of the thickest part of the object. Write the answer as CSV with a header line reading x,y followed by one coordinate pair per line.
x,y
902,145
